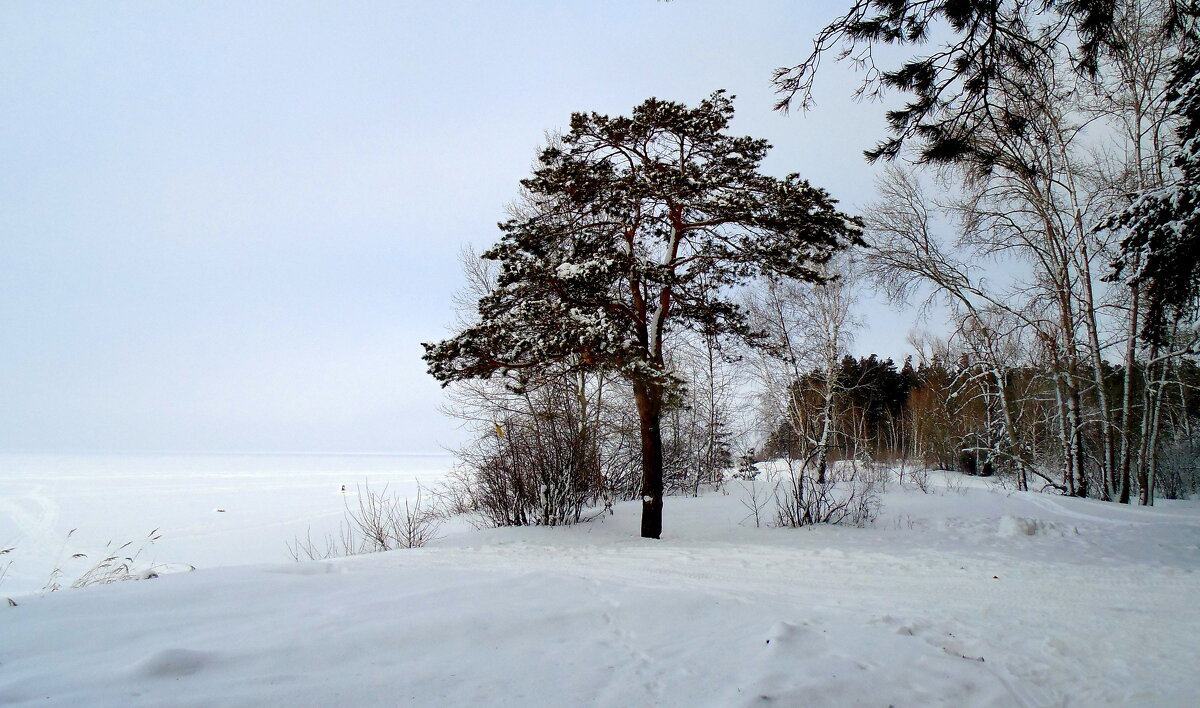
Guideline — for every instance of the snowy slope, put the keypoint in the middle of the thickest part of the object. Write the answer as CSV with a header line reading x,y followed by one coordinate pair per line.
x,y
969,596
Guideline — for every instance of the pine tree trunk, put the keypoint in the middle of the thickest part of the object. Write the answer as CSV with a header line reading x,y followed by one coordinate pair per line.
x,y
1152,460
648,397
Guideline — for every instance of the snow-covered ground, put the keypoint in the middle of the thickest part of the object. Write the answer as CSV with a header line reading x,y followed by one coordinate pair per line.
x,y
968,596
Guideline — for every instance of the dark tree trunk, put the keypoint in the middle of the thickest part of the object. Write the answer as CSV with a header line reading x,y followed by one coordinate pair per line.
x,y
648,397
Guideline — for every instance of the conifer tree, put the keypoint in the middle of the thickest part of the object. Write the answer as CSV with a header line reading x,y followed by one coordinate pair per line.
x,y
639,229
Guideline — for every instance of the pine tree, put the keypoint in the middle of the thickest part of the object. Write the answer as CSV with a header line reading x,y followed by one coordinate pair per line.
x,y
992,48
640,229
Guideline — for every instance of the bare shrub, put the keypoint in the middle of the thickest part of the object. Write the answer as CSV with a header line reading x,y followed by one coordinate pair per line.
x,y
920,478
306,548
538,466
755,498
381,522
453,495
916,475
873,471
954,483
848,495
386,522
1178,473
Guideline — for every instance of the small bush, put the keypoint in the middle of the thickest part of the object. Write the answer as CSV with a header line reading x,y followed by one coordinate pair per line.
x,y
539,469
755,499
382,522
849,495
916,475
1178,474
747,467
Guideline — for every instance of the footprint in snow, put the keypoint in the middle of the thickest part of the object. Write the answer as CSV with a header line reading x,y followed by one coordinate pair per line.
x,y
786,636
174,663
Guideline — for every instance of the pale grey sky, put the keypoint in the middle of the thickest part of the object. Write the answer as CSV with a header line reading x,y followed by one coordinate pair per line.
x,y
226,226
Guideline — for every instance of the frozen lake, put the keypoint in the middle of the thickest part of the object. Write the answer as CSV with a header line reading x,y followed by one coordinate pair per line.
x,y
267,501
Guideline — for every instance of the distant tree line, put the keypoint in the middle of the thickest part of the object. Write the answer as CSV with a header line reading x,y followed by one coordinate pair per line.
x,y
942,413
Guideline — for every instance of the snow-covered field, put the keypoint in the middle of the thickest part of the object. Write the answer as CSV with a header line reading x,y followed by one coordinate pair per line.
x,y
968,596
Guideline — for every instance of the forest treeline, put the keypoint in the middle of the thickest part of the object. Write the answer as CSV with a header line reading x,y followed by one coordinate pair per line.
x,y
548,451
942,412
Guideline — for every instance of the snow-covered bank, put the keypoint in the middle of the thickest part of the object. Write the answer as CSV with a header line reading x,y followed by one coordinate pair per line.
x,y
976,597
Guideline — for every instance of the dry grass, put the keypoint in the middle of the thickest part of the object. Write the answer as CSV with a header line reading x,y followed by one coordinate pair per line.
x,y
113,565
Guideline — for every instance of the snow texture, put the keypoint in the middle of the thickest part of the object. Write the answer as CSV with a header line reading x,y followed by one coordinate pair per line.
x,y
969,596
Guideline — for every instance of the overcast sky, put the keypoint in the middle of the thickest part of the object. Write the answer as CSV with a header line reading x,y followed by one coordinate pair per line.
x,y
228,226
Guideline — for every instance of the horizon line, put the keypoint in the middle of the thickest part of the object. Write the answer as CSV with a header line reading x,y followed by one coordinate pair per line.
x,y
262,453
